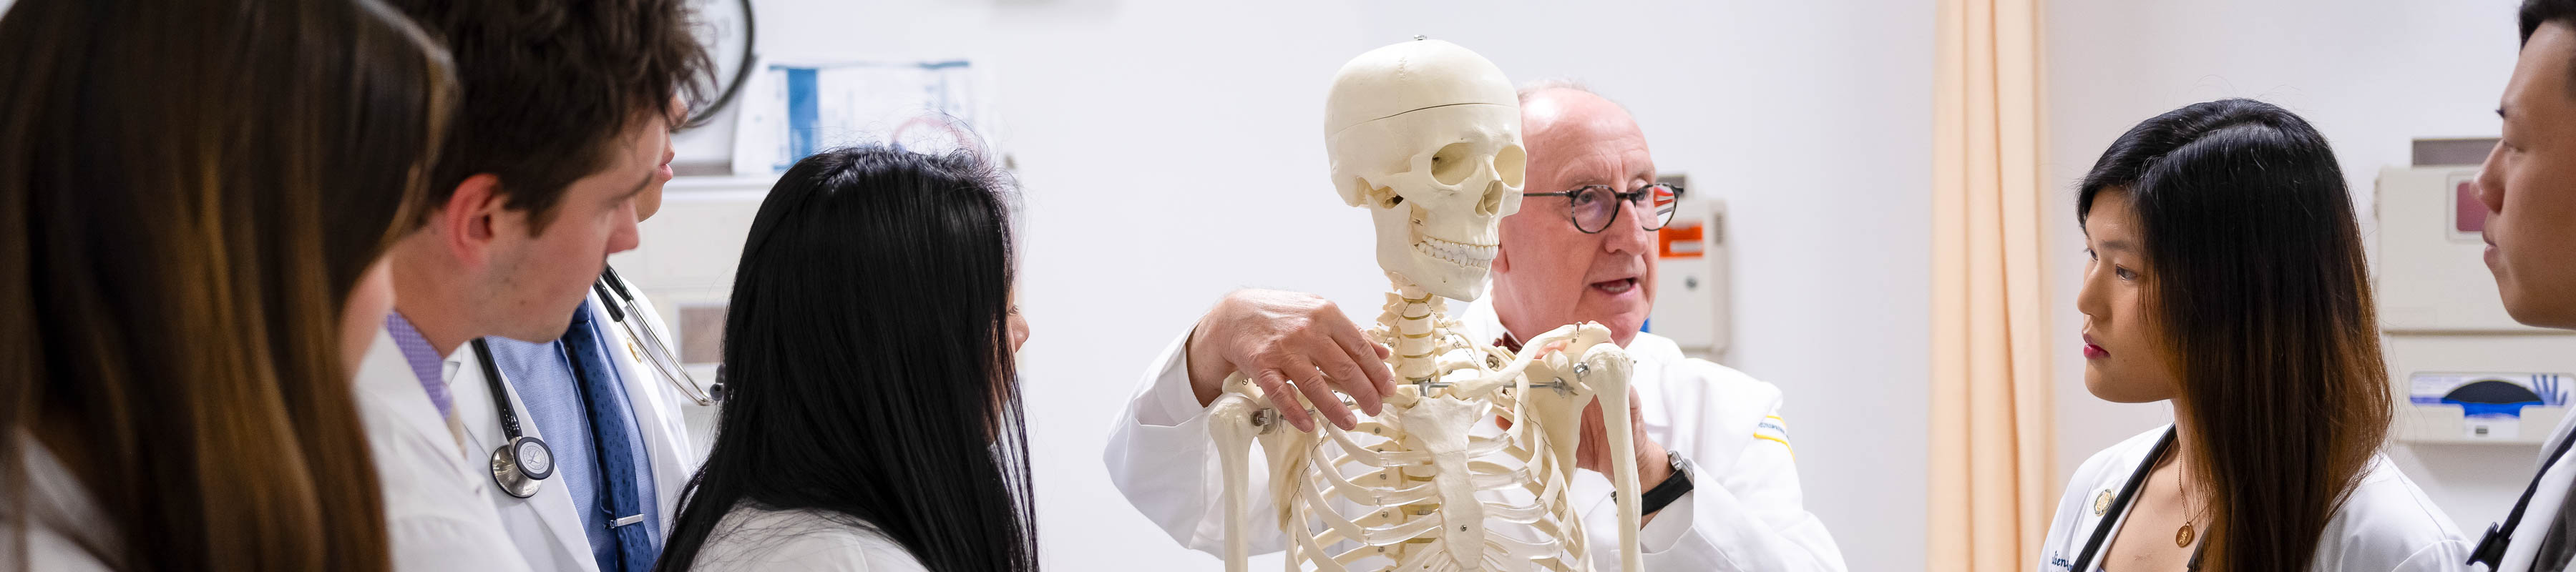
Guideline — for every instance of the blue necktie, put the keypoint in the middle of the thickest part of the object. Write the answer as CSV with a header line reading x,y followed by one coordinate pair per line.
x,y
612,427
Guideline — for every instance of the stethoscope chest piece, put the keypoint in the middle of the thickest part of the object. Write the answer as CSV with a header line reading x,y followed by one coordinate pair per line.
x,y
522,466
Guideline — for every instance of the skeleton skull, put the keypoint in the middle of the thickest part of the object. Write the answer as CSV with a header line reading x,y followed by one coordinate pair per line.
x,y
1427,135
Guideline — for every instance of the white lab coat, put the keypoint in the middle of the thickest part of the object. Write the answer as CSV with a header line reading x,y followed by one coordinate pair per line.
x,y
2386,523
805,540
437,516
63,529
2546,500
545,527
1745,512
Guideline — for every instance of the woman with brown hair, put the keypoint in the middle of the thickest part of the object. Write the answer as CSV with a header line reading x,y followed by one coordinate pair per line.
x,y
193,200
2227,277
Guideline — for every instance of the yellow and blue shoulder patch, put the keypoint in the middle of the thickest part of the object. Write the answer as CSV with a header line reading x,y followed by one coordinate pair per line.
x,y
1774,429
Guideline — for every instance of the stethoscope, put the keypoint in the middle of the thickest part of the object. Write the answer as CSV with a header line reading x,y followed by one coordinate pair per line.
x,y
655,351
2490,549
522,463
2119,509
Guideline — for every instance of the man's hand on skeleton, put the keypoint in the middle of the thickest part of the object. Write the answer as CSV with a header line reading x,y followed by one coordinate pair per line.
x,y
1290,343
1592,448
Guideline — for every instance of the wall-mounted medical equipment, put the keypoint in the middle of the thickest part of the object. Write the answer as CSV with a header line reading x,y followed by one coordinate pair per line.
x,y
2461,370
1691,278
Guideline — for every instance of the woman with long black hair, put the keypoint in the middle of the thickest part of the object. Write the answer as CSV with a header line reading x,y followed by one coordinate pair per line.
x,y
872,411
2227,277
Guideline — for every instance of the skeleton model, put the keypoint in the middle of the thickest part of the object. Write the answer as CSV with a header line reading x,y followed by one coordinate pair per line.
x,y
1426,135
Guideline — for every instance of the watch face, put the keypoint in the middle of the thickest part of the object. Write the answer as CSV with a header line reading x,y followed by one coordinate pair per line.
x,y
533,457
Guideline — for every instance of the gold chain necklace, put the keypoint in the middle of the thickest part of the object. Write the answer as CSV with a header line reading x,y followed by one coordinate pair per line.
x,y
2184,535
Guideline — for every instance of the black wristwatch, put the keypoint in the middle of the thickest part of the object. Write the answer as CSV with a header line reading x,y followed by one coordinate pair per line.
x,y
1671,489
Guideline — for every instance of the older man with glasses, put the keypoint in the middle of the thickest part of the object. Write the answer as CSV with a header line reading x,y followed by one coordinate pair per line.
x,y
1712,451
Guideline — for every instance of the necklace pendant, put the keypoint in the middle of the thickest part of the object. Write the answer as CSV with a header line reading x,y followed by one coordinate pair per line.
x,y
2182,536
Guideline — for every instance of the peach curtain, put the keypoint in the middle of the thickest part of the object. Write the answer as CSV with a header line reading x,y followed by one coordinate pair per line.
x,y
1991,429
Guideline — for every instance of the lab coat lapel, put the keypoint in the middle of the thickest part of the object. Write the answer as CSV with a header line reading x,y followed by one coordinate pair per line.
x,y
384,371
2546,500
552,505
2105,493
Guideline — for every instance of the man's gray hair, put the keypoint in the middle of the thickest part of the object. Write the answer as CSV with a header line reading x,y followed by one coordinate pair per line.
x,y
1532,89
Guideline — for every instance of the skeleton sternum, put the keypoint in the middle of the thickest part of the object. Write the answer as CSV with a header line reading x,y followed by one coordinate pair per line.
x,y
1413,322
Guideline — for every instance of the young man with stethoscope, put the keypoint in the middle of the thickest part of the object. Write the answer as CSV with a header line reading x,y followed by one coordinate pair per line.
x,y
543,431
552,493
2529,188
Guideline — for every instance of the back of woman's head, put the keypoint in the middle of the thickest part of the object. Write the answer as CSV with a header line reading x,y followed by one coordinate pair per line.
x,y
189,193
867,369
2262,291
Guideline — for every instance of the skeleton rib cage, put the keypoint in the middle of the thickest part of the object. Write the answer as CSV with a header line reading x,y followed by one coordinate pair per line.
x,y
1439,494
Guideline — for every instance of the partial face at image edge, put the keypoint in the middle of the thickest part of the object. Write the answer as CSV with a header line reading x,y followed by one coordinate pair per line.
x,y
2528,184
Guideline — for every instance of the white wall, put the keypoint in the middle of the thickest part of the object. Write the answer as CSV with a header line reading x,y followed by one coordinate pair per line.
x,y
1171,152
2372,75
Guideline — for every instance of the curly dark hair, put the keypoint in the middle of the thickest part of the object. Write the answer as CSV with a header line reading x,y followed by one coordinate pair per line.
x,y
548,86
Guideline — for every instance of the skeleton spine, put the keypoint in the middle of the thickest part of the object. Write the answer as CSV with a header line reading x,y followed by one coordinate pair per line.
x,y
1414,316
1413,319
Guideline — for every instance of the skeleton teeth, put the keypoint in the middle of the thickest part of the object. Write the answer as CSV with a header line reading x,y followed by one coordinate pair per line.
x,y
1448,242
1456,253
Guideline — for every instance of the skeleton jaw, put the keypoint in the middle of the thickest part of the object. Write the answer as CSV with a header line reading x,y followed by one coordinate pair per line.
x,y
1445,256
1478,257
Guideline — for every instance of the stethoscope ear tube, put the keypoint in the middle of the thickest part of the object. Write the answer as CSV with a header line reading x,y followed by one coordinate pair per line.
x,y
657,352
2120,504
522,463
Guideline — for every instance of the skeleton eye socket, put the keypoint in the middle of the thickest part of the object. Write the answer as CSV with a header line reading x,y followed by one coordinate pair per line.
x,y
1509,164
1452,164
